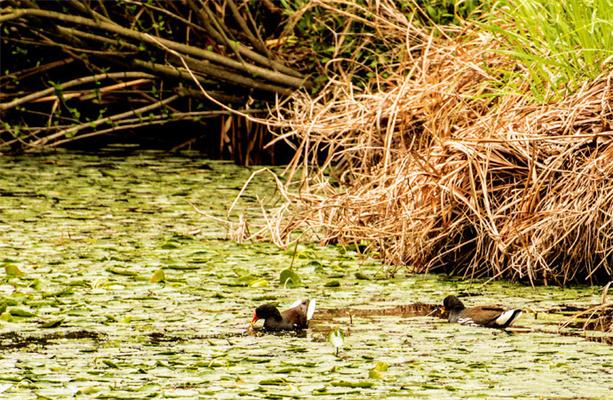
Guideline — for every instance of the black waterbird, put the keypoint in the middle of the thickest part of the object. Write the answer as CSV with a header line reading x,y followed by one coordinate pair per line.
x,y
294,318
488,316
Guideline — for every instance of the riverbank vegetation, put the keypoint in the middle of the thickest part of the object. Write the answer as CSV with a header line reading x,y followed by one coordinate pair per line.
x,y
480,148
465,137
76,71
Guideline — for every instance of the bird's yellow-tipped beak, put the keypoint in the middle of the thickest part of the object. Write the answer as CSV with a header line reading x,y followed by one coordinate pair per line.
x,y
442,310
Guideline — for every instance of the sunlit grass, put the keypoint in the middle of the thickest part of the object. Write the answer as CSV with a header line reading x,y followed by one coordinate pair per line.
x,y
561,44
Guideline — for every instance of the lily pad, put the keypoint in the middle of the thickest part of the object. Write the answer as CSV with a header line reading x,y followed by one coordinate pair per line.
x,y
20,312
52,323
158,276
260,282
362,276
121,271
377,372
349,384
273,382
188,337
110,364
13,270
289,278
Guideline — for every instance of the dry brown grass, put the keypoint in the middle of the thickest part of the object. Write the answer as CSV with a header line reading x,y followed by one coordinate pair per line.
x,y
433,171
595,318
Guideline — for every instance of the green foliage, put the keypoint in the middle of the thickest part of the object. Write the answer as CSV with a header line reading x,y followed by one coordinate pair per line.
x,y
349,384
377,372
186,338
289,278
362,276
158,276
332,283
52,323
13,270
349,36
561,44
444,12
251,280
20,312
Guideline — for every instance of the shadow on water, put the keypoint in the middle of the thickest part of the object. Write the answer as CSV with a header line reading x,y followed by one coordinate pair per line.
x,y
596,329
14,340
160,337
599,328
404,311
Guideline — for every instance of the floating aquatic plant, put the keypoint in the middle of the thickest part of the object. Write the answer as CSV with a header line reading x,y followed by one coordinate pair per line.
x,y
336,339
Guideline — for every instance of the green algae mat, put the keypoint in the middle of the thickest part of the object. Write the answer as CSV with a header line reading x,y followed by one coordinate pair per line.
x,y
114,286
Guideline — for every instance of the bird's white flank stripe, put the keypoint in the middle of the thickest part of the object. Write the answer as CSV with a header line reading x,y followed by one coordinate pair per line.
x,y
506,316
311,309
466,321
295,303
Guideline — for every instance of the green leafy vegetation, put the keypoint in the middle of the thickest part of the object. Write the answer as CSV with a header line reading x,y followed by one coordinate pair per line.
x,y
289,278
560,44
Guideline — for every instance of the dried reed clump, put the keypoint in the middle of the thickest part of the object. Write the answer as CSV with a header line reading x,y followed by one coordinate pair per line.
x,y
595,318
434,172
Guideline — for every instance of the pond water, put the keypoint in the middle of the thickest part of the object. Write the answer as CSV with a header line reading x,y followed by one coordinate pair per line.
x,y
114,286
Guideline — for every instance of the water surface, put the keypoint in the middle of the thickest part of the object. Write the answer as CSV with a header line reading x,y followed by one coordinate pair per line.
x,y
85,312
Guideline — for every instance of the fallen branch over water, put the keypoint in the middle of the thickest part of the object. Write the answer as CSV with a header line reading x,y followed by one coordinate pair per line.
x,y
138,50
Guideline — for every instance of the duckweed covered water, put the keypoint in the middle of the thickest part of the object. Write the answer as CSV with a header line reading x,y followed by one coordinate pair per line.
x,y
113,286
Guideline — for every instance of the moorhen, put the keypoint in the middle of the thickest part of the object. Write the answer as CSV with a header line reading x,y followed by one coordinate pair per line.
x,y
488,316
294,318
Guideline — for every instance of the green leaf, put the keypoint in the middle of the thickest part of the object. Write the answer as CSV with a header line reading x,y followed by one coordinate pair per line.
x,y
158,276
273,381
377,371
6,316
60,293
121,271
381,366
375,374
352,384
89,390
13,270
332,283
181,267
289,278
261,282
20,312
245,280
53,323
362,276
110,363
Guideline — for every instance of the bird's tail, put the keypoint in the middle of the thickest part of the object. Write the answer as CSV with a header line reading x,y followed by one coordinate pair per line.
x,y
310,309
